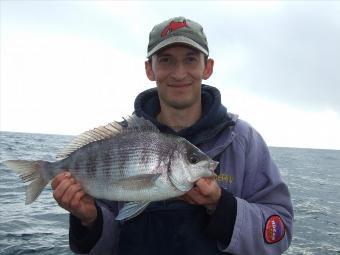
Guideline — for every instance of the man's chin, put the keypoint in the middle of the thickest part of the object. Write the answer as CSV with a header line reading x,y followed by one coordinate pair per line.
x,y
181,105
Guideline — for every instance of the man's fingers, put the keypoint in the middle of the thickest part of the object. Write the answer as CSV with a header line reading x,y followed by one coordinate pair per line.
x,y
195,196
205,186
205,192
210,189
187,199
76,200
59,178
69,194
61,188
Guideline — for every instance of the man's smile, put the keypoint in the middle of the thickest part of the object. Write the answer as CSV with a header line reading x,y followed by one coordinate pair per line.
x,y
179,85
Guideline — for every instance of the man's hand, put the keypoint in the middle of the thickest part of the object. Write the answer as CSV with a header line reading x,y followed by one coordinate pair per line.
x,y
70,196
206,192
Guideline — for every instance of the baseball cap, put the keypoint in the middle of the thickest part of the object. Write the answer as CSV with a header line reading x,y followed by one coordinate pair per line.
x,y
177,30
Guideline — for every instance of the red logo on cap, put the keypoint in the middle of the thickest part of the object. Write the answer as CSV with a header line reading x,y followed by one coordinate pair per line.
x,y
174,25
274,230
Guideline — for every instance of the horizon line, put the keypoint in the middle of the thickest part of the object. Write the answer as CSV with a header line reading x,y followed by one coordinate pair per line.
x,y
271,146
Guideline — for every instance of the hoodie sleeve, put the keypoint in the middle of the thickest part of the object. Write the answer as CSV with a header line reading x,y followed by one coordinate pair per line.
x,y
264,214
101,239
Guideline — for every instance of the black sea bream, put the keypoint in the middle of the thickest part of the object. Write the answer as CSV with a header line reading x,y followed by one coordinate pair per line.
x,y
131,161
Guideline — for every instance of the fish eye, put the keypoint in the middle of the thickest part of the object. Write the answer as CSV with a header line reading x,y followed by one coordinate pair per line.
x,y
193,158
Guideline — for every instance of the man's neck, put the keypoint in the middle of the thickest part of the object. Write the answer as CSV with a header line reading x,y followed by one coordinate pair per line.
x,y
179,119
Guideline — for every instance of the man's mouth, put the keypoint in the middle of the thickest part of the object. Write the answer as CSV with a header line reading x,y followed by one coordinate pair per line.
x,y
179,85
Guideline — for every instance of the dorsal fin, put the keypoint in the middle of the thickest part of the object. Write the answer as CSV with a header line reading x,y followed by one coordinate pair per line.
x,y
130,123
139,123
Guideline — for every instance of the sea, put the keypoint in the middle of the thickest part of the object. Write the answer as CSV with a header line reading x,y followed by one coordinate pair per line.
x,y
313,177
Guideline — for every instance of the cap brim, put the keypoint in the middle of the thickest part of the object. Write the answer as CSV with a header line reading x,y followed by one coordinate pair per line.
x,y
174,40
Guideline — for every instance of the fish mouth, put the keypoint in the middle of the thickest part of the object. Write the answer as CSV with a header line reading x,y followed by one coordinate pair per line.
x,y
212,165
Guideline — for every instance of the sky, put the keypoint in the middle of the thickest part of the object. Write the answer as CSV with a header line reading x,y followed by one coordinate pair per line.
x,y
69,66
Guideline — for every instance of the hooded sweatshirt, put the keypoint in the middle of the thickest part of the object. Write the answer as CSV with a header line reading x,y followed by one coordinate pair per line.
x,y
253,216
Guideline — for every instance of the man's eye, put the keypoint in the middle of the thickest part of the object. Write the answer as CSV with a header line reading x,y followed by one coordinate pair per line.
x,y
164,60
191,60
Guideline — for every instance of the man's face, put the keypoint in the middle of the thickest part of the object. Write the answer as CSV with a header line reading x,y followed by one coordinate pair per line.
x,y
178,72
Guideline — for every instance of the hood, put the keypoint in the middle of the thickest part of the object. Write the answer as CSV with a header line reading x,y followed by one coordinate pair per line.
x,y
214,116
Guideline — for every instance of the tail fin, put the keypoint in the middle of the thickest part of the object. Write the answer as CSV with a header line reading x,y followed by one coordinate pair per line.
x,y
29,171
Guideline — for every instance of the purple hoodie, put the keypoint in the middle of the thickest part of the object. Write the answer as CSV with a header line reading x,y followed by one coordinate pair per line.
x,y
260,223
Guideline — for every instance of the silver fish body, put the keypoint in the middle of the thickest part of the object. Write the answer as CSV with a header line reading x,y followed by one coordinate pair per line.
x,y
134,162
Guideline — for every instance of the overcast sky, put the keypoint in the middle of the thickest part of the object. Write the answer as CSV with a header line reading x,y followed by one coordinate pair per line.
x,y
69,66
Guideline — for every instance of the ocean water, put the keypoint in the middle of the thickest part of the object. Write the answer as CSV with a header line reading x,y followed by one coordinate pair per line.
x,y
313,177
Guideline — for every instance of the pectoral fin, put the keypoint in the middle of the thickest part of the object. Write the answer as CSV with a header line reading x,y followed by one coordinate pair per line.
x,y
139,182
131,210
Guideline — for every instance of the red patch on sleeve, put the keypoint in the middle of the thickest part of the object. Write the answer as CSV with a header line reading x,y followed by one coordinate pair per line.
x,y
274,230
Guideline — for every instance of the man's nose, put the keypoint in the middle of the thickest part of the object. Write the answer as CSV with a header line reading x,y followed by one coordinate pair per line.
x,y
179,72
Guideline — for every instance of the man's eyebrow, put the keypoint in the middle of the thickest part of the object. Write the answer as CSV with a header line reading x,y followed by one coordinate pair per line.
x,y
164,55
194,52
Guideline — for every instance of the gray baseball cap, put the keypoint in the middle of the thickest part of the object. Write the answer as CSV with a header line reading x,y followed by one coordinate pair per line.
x,y
177,30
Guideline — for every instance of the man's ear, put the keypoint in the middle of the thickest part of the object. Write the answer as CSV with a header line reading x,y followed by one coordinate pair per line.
x,y
209,68
149,71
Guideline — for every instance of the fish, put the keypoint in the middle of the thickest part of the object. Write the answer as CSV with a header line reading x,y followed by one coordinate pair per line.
x,y
130,161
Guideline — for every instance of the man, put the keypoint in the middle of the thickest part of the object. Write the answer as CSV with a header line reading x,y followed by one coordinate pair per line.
x,y
245,210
